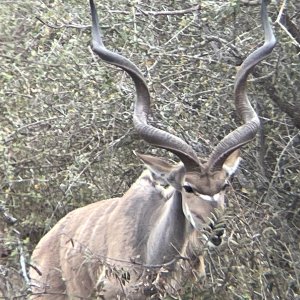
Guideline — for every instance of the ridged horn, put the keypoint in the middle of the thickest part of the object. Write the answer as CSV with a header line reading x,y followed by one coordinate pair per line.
x,y
246,132
150,134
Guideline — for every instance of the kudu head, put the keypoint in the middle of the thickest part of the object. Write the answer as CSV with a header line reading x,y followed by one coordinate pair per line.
x,y
201,185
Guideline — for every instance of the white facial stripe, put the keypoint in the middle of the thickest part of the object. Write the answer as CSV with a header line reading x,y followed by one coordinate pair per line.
x,y
188,214
215,197
206,197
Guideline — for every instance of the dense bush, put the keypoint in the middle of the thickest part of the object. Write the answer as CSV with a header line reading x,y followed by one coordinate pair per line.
x,y
66,133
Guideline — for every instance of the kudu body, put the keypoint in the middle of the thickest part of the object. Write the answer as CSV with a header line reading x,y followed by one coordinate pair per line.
x,y
117,248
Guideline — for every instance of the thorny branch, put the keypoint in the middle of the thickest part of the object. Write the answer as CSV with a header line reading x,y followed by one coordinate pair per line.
x,y
284,21
77,26
141,12
168,12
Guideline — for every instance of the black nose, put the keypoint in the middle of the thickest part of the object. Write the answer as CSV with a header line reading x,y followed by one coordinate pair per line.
x,y
217,234
216,240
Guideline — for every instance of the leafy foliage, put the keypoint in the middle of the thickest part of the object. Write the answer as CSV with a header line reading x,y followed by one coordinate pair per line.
x,y
66,135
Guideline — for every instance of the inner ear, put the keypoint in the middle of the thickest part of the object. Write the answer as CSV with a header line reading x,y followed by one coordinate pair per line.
x,y
232,162
163,171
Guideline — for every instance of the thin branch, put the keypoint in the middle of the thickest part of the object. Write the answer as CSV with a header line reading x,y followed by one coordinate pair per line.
x,y
23,261
282,16
77,26
173,12
142,12
250,2
159,13
112,145
10,137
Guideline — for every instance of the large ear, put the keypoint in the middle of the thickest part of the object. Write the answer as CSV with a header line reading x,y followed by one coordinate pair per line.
x,y
164,172
232,162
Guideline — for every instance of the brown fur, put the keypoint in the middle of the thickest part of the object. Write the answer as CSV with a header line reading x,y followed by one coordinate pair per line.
x,y
90,252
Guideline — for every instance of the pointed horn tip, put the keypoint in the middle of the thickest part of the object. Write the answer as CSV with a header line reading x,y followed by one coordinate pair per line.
x,y
92,4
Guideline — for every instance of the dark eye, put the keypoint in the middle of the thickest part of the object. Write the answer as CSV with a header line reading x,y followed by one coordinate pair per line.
x,y
188,189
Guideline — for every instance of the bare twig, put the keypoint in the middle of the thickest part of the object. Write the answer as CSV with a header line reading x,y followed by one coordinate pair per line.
x,y
23,261
142,12
77,26
281,16
159,13
250,2
113,144
173,12
9,138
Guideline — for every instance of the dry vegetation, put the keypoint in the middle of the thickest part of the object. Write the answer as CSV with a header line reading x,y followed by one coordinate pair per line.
x,y
66,135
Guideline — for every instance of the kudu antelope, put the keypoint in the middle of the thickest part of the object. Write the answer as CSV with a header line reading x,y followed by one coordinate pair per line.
x,y
117,248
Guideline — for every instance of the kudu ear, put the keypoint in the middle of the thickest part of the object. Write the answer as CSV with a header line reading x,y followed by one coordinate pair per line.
x,y
162,171
232,162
